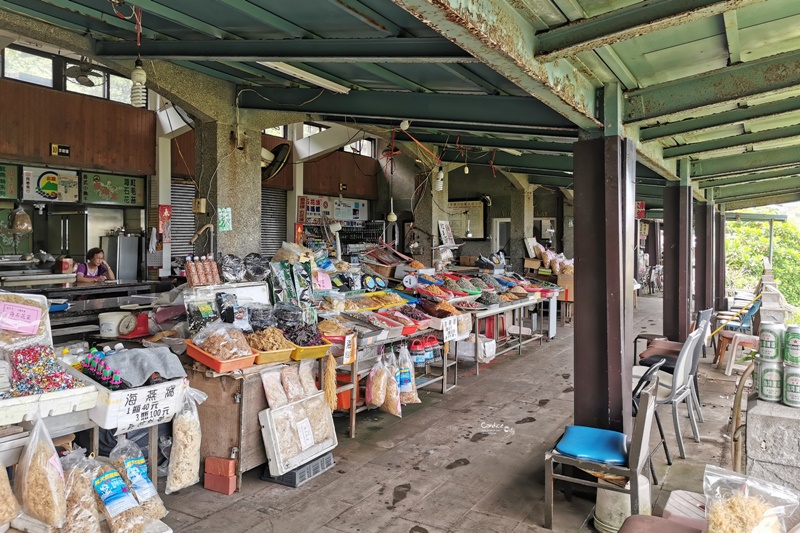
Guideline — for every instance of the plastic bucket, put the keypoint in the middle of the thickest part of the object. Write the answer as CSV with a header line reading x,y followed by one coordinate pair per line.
x,y
109,323
612,508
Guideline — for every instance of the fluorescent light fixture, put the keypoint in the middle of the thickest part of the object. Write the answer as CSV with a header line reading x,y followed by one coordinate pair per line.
x,y
319,81
511,151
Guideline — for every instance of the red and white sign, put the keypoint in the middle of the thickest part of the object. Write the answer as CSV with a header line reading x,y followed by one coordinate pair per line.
x,y
640,209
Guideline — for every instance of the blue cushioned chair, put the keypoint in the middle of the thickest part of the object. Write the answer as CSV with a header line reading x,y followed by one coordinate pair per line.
x,y
604,454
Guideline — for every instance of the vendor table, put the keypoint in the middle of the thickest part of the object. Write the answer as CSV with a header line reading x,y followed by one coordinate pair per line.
x,y
81,317
71,290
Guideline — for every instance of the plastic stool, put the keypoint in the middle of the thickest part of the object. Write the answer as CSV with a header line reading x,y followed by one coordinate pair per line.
x,y
740,339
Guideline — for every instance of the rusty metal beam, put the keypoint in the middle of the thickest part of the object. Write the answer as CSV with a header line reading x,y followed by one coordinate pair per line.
x,y
626,23
768,76
749,178
497,34
724,143
751,190
747,162
784,198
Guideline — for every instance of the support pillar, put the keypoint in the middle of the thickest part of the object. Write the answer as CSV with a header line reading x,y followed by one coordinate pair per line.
x,y
521,224
720,298
677,256
295,133
605,170
704,255
229,175
427,213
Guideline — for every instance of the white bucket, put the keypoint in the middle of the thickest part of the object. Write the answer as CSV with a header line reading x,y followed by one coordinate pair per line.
x,y
109,323
612,508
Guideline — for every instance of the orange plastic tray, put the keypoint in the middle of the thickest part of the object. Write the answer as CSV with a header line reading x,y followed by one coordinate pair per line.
x,y
215,364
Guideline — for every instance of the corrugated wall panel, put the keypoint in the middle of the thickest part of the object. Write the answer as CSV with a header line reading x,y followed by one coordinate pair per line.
x,y
273,220
183,220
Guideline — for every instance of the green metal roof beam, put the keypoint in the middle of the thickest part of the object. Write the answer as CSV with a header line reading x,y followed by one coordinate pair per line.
x,y
369,17
732,37
754,217
748,178
454,141
219,74
626,23
771,75
757,189
107,18
32,13
481,110
497,34
502,159
726,118
617,67
270,19
389,50
750,161
724,143
183,19
467,75
768,200
552,181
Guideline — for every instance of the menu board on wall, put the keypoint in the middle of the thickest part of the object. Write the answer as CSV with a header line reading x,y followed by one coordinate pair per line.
x,y
346,209
8,182
112,189
312,209
49,184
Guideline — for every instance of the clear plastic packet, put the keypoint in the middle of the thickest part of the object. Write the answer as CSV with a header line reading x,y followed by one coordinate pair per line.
x,y
9,506
231,268
743,504
39,481
201,308
123,514
283,284
83,513
261,316
302,283
407,382
223,341
307,377
391,403
21,223
288,315
232,312
273,388
25,320
254,267
376,384
130,462
184,458
290,378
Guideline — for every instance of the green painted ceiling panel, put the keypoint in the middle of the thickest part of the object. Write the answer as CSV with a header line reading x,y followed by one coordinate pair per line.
x,y
771,38
697,30
767,12
598,7
695,57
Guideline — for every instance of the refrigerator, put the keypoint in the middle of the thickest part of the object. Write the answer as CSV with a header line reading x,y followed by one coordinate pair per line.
x,y
67,231
122,255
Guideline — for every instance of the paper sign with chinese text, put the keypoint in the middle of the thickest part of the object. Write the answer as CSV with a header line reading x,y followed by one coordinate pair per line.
x,y
112,189
449,328
20,318
148,406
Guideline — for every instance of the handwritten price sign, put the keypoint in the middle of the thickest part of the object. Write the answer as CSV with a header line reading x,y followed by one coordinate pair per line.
x,y
449,328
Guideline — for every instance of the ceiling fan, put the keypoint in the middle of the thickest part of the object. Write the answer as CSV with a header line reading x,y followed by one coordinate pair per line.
x,y
82,74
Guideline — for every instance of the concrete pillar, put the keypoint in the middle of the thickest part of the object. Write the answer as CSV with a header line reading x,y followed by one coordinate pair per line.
x,y
703,255
295,133
604,170
427,213
677,257
229,175
164,181
521,224
720,299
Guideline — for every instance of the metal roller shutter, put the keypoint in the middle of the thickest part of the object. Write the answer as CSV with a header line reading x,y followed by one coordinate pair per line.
x,y
183,221
273,220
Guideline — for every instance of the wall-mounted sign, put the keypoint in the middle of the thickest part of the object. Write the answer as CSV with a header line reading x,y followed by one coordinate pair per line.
x,y
8,182
165,222
49,184
640,209
112,189
59,150
224,219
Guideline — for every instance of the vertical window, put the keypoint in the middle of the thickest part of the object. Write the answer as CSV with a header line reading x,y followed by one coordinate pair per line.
x,y
311,129
119,89
277,131
31,68
365,147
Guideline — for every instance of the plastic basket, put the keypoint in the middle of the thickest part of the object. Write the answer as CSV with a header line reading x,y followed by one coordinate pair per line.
x,y
273,356
302,474
202,356
311,352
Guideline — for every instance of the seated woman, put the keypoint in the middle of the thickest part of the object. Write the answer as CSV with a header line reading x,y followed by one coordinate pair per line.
x,y
95,269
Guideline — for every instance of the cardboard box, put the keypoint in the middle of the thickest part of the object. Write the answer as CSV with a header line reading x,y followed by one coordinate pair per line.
x,y
532,263
64,265
223,484
220,466
567,282
468,260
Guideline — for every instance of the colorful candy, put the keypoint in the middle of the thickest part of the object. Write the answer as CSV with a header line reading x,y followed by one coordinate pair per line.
x,y
34,370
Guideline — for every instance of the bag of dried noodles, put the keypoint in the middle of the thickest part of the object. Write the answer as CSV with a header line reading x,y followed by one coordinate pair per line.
x,y
184,459
39,482
129,461
9,507
83,514
122,512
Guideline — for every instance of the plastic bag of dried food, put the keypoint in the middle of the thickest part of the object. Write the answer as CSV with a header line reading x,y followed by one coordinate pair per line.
x,y
273,388
232,268
307,377
21,223
184,459
376,384
320,417
129,461
261,316
231,312
123,513
302,283
286,432
254,267
407,383
391,403
201,309
9,507
736,503
290,378
83,514
223,341
39,482
282,282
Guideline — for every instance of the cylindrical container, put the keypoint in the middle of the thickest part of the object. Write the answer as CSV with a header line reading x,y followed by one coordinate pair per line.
x,y
770,379
417,352
770,340
791,345
791,385
612,508
109,323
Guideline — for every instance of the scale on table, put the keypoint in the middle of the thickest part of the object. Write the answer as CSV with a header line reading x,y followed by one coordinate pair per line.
x,y
134,326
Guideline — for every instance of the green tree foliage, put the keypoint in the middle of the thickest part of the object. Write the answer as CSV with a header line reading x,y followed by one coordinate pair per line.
x,y
747,242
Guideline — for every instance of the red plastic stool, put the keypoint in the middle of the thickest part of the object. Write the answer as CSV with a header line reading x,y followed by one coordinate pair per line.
x,y
490,322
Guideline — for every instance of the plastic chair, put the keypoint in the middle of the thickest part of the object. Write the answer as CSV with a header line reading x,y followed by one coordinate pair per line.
x,y
647,378
676,388
739,339
604,454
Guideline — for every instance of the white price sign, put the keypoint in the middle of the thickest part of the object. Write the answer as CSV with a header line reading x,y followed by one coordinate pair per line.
x,y
147,406
350,349
449,328
305,433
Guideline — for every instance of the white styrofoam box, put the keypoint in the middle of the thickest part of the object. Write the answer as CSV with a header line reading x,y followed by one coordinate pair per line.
x,y
15,410
110,404
487,348
277,464
5,527
156,526
11,450
30,525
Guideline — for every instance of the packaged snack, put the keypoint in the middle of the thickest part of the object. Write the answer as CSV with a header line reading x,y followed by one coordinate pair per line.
x,y
122,512
307,377
232,268
302,282
377,384
273,388
39,480
130,462
83,513
184,459
255,267
290,378
9,507
223,341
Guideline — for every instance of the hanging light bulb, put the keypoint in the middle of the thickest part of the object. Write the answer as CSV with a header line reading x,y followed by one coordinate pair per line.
x,y
469,232
138,89
439,185
391,217
466,169
466,165
405,124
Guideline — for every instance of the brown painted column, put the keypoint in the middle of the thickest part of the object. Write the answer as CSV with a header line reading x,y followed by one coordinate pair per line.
x,y
720,301
703,255
677,260
604,171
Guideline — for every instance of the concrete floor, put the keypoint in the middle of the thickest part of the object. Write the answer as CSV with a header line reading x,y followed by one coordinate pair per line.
x,y
471,460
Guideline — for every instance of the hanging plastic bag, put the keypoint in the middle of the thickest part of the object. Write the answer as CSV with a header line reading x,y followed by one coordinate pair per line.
x,y
123,513
376,385
129,461
83,514
407,383
39,482
735,502
391,403
184,460
21,223
9,507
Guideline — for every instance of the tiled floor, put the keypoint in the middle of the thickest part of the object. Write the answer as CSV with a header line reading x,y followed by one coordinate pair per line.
x,y
471,460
